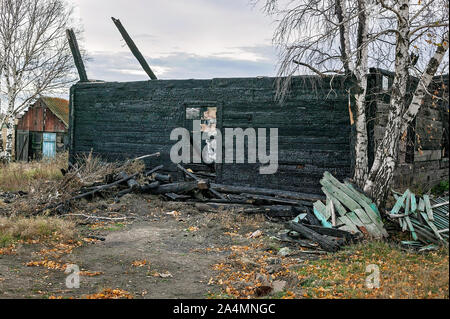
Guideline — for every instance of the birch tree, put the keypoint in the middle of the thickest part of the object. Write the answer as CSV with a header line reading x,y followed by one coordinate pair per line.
x,y
35,57
346,37
411,25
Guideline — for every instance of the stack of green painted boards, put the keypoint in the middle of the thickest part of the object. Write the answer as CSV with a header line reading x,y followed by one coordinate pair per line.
x,y
426,219
348,209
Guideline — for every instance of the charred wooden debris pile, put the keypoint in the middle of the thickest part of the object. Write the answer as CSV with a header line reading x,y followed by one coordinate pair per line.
x,y
324,223
426,219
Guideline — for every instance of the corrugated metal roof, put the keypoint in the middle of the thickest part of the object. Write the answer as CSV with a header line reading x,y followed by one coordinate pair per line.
x,y
59,107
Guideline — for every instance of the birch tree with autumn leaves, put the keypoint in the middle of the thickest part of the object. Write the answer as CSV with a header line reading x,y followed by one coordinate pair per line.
x,y
346,37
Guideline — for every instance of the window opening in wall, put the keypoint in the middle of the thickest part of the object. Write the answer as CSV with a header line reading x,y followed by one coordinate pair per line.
x,y
207,115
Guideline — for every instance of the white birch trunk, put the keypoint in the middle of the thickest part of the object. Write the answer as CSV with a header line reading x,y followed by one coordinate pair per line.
x,y
9,136
424,82
361,69
382,171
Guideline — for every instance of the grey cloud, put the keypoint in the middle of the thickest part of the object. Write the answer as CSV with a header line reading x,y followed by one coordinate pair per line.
x,y
122,66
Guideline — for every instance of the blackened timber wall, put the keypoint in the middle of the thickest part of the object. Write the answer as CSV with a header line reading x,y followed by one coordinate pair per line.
x,y
125,120
423,153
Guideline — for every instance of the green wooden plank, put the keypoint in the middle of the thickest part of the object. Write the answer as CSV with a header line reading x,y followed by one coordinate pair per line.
x,y
369,224
403,224
376,218
299,217
411,228
411,243
337,204
400,202
375,209
344,190
428,248
321,208
354,219
363,216
421,206
413,203
348,224
328,209
370,228
340,195
353,202
407,204
359,194
432,226
428,208
321,218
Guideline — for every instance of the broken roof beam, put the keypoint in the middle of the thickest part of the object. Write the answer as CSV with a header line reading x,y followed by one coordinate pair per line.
x,y
134,49
76,55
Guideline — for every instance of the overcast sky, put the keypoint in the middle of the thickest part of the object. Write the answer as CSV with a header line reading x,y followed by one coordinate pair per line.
x,y
180,39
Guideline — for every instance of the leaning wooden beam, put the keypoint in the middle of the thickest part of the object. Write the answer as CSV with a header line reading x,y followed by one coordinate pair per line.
x,y
157,168
76,55
103,187
134,49
90,193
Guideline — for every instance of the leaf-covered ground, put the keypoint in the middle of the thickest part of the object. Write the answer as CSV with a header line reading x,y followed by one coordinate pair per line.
x,y
173,250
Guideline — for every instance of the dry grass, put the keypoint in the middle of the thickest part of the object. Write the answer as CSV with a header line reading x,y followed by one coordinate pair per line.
x,y
35,228
45,184
403,274
20,176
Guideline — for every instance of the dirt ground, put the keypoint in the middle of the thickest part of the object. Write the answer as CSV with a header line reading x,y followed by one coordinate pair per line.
x,y
161,250
149,248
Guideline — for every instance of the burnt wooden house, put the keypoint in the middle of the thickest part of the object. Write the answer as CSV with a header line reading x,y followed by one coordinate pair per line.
x,y
118,121
42,130
124,120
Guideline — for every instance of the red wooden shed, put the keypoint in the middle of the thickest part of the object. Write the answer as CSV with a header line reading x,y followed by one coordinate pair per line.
x,y
42,130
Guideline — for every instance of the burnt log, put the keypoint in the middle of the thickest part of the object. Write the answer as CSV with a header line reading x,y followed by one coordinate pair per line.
x,y
175,197
90,193
324,242
150,172
193,176
310,217
180,187
124,192
245,208
131,182
146,188
339,233
305,199
161,178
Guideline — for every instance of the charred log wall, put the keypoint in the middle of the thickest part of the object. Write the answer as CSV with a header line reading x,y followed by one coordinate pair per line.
x,y
124,120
